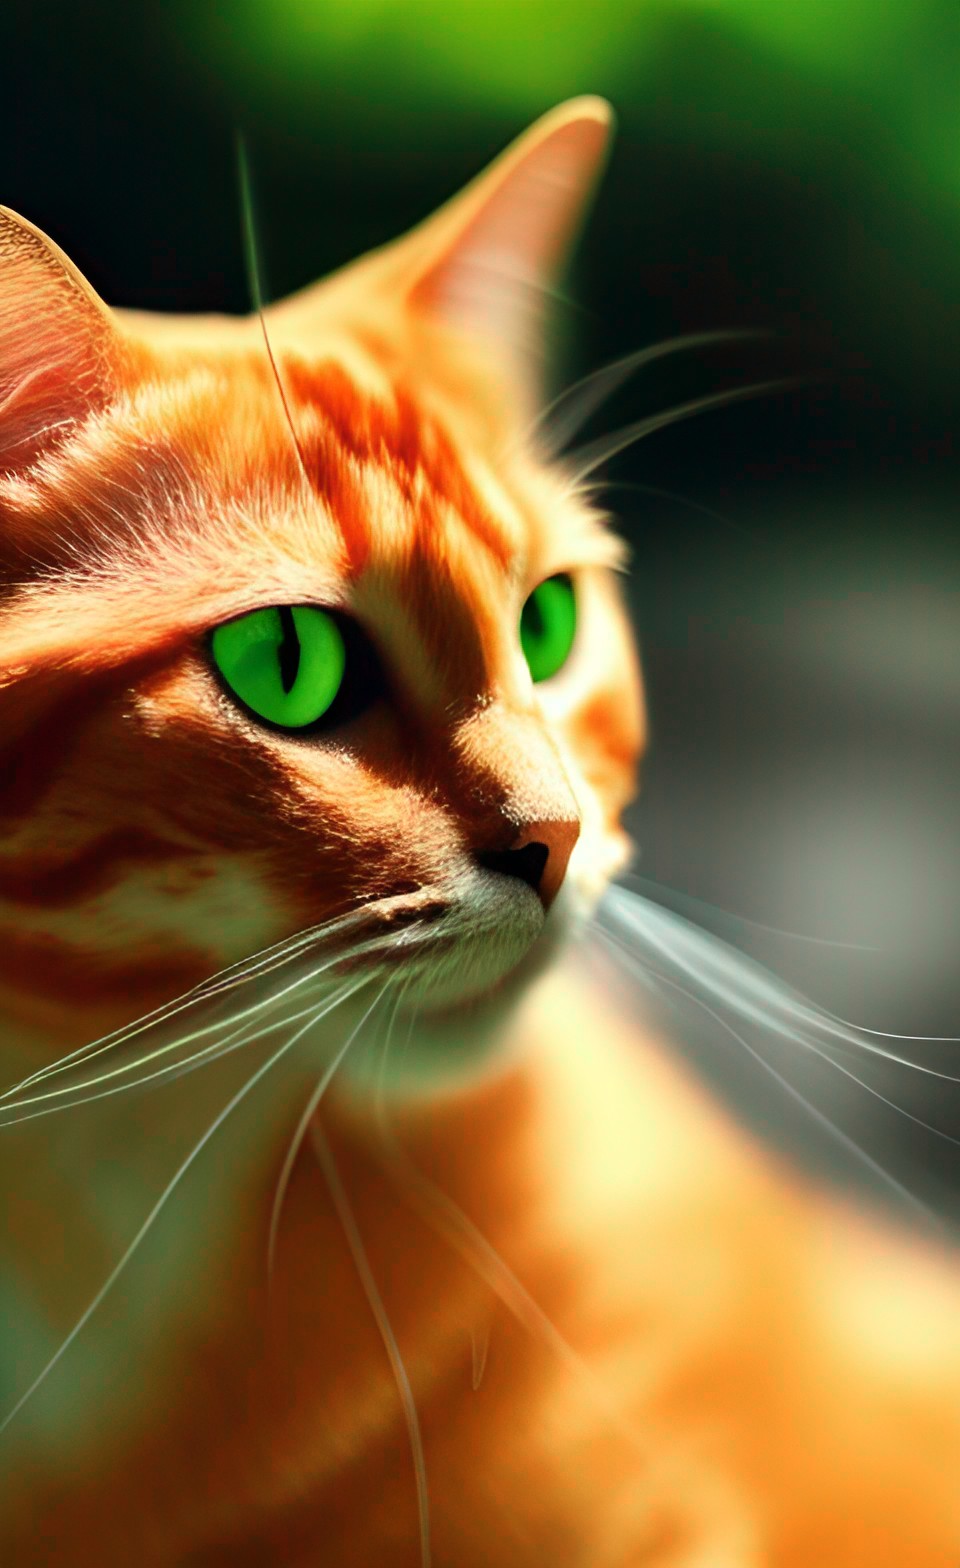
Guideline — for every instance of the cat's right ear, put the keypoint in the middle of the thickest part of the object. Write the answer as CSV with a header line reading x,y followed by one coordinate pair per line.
x,y
59,346
484,262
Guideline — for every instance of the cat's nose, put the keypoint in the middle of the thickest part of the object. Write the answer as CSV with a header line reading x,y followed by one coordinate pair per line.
x,y
539,856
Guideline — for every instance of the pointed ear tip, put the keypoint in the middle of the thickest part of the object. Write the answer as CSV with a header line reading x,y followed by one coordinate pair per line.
x,y
44,246
587,110
16,220
7,215
591,106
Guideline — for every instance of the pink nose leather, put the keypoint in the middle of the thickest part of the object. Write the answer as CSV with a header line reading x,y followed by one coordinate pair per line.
x,y
538,856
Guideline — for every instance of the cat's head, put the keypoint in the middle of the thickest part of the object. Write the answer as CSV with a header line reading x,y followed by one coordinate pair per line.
x,y
284,637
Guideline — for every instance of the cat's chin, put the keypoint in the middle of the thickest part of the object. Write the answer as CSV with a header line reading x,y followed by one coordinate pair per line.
x,y
456,1026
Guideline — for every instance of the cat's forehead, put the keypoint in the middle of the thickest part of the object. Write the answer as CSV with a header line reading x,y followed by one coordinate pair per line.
x,y
225,483
225,432
333,462
401,480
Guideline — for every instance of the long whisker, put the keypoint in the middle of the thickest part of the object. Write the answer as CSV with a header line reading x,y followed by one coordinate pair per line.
x,y
171,1187
643,968
901,1110
226,979
254,282
233,1042
362,1264
177,1044
742,984
571,408
112,1043
850,1144
590,457
296,1142
742,920
890,1056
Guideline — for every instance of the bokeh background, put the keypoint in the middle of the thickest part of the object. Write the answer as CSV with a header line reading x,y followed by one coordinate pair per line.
x,y
796,578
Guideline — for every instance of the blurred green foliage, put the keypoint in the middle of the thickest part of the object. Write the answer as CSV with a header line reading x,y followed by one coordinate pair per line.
x,y
895,61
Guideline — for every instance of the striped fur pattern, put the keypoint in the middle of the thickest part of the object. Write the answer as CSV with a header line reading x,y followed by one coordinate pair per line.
x,y
554,1310
174,498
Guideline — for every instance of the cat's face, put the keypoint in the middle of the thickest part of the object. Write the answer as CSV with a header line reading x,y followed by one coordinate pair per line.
x,y
415,726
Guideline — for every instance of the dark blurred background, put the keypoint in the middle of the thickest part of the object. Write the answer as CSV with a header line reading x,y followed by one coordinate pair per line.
x,y
796,571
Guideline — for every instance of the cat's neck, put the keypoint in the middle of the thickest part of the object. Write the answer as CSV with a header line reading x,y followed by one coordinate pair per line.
x,y
491,1219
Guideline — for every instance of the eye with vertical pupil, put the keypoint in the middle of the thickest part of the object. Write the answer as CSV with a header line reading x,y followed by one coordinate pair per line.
x,y
548,625
286,664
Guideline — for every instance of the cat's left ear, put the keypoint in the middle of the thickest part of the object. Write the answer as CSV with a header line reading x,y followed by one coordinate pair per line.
x,y
486,261
58,343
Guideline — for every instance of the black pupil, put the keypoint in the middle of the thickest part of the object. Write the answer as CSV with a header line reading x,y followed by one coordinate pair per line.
x,y
533,615
288,652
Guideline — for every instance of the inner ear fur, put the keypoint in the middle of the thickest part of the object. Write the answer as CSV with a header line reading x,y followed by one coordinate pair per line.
x,y
59,346
484,262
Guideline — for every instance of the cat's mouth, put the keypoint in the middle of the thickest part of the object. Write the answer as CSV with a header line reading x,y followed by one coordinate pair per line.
x,y
451,948
500,992
451,1024
487,965
395,932
460,954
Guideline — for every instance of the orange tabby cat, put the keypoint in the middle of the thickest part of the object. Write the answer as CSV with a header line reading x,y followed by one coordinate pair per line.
x,y
531,1298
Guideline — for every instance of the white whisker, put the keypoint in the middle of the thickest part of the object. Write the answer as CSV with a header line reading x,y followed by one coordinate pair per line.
x,y
293,1148
142,1061
572,407
251,968
744,920
176,1069
211,1053
850,1144
741,983
171,1187
587,458
362,1264
805,1043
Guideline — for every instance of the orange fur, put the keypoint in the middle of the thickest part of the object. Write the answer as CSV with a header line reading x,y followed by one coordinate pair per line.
x,y
630,1337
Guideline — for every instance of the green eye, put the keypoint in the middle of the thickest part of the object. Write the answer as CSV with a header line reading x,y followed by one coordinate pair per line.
x,y
285,664
548,624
